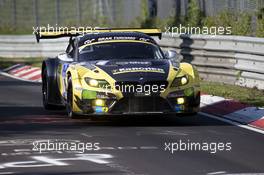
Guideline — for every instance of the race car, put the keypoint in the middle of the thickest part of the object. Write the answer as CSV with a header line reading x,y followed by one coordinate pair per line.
x,y
118,71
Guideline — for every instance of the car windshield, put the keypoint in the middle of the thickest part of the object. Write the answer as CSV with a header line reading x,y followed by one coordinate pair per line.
x,y
120,50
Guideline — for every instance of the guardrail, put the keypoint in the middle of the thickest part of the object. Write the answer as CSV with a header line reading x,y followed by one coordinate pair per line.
x,y
27,46
229,59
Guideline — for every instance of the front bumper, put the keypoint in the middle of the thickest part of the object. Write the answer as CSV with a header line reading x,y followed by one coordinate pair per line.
x,y
153,104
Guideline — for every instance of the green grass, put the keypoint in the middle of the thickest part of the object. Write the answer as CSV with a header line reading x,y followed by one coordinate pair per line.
x,y
7,62
250,96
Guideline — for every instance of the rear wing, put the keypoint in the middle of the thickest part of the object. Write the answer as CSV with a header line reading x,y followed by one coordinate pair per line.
x,y
43,34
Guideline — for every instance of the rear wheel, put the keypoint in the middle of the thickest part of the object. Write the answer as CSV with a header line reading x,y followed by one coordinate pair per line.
x,y
69,105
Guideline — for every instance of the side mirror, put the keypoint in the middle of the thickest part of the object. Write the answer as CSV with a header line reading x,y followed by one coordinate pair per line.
x,y
173,55
65,57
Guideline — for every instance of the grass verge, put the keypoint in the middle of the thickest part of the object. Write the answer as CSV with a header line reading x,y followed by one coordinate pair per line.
x,y
7,62
251,96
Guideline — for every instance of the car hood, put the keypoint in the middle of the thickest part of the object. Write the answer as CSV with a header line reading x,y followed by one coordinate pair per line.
x,y
134,70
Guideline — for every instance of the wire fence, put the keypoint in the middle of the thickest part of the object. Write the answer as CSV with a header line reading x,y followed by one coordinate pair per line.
x,y
210,7
22,15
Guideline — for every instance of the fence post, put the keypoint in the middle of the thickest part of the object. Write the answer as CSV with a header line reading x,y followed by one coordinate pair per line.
x,y
57,12
36,13
14,14
79,13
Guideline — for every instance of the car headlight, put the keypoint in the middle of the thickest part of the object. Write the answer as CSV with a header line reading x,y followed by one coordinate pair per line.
x,y
97,83
180,81
93,82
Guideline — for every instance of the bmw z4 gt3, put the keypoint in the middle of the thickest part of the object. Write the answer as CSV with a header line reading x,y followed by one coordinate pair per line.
x,y
118,71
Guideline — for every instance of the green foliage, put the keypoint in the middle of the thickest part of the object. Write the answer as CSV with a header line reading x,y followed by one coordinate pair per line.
x,y
156,23
209,21
239,22
144,21
242,24
225,18
119,18
170,21
149,23
102,21
194,16
144,10
136,22
260,23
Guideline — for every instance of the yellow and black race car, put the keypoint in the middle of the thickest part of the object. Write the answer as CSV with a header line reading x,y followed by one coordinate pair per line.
x,y
118,71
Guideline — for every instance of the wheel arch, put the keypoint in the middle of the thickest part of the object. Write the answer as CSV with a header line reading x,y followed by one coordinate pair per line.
x,y
190,69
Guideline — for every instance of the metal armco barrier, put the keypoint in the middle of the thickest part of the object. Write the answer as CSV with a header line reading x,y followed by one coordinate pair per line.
x,y
27,46
229,59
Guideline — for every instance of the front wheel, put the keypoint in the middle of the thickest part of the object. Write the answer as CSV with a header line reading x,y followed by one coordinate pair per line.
x,y
45,93
69,105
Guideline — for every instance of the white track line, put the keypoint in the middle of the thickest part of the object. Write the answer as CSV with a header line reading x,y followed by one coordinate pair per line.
x,y
12,67
7,173
233,123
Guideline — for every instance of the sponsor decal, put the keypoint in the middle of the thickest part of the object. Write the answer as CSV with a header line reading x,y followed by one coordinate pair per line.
x,y
133,62
115,38
64,69
138,69
100,109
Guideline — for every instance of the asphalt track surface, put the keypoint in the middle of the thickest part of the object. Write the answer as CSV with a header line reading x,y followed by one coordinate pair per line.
x,y
128,145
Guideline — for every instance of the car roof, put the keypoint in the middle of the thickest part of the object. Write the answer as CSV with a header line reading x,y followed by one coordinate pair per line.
x,y
112,36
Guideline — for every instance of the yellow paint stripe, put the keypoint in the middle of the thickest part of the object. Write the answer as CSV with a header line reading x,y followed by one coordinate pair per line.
x,y
94,30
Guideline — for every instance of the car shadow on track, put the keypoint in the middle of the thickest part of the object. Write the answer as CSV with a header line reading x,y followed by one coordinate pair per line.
x,y
74,172
20,112
18,83
28,119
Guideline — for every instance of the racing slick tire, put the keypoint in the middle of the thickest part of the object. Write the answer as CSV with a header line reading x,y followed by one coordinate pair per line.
x,y
69,102
45,95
